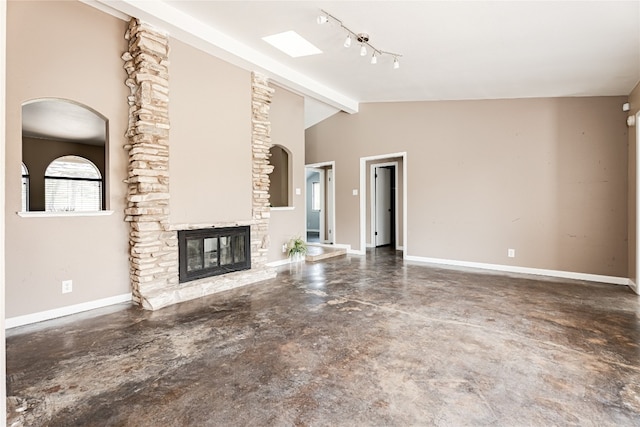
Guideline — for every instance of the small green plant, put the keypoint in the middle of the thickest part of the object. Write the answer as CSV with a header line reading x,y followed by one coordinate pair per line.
x,y
297,246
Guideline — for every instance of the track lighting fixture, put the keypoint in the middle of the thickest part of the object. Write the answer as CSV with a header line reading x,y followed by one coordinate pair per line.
x,y
361,38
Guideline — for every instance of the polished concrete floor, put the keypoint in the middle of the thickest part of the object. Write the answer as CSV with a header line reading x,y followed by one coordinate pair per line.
x,y
351,341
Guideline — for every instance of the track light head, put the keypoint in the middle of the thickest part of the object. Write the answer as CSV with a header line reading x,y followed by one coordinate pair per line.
x,y
347,42
362,39
396,63
322,19
374,58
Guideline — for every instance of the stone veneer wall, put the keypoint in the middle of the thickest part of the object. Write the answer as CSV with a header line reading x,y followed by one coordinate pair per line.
x,y
153,241
261,95
153,247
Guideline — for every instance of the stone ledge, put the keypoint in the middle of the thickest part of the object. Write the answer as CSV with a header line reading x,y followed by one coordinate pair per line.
x,y
155,300
195,226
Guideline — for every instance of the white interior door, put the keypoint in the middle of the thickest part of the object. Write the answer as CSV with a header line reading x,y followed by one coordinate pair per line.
x,y
329,206
382,206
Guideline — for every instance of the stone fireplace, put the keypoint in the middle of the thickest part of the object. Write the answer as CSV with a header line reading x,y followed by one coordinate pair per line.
x,y
154,256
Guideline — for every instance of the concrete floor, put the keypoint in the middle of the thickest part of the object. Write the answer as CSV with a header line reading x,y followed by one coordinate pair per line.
x,y
349,341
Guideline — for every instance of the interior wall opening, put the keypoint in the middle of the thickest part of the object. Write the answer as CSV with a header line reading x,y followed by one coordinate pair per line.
x,y
383,202
64,146
320,203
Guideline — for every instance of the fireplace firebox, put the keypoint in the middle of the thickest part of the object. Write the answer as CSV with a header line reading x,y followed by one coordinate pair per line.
x,y
213,251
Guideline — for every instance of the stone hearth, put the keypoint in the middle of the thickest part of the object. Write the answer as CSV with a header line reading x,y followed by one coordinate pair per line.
x,y
153,255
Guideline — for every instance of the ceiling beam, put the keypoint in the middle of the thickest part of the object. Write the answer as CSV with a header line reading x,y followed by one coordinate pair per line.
x,y
196,33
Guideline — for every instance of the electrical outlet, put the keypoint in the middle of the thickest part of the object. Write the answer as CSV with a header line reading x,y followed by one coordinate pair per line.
x,y
67,286
511,253
284,248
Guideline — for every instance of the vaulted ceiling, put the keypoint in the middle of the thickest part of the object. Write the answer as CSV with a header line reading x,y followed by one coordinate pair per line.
x,y
451,50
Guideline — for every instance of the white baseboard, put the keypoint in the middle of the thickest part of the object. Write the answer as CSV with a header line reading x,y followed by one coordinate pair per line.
x,y
341,246
370,245
525,270
313,230
41,316
279,262
399,248
634,287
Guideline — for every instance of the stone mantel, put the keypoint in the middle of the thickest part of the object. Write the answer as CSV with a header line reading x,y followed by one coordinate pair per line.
x,y
180,227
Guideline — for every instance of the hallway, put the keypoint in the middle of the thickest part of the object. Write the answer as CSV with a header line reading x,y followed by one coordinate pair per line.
x,y
350,341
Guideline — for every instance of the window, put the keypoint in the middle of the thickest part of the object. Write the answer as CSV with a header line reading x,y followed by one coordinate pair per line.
x,y
315,196
72,184
25,188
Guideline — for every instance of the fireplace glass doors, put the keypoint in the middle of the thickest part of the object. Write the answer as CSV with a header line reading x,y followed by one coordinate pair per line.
x,y
213,251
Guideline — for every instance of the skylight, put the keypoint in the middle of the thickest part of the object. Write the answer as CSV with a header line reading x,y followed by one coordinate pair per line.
x,y
292,43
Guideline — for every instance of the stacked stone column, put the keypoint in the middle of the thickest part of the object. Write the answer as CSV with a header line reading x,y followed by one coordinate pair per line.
x,y
153,246
261,95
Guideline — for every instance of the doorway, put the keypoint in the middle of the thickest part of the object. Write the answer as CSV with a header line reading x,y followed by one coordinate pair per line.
x,y
383,204
393,168
320,203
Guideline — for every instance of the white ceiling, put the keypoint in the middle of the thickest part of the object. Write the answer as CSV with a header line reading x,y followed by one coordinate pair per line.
x,y
62,120
451,50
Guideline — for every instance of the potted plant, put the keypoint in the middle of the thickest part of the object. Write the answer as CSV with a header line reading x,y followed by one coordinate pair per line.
x,y
297,249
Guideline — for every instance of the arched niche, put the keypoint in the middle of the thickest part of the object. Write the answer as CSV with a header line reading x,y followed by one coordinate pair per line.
x,y
280,185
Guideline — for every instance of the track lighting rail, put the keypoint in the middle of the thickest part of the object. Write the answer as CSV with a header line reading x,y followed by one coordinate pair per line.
x,y
360,38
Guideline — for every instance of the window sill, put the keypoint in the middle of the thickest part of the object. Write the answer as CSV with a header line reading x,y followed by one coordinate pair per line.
x,y
283,208
42,214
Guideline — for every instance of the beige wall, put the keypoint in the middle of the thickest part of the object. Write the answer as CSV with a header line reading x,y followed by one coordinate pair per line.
x,y
287,129
210,149
546,177
38,153
64,50
634,101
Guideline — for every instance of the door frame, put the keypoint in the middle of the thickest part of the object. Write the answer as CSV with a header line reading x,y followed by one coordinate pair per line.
x,y
363,200
635,285
323,204
329,225
324,165
3,104
372,197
